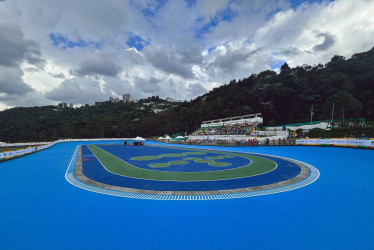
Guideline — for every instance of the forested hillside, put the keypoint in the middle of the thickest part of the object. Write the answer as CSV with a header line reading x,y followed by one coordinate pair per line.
x,y
282,98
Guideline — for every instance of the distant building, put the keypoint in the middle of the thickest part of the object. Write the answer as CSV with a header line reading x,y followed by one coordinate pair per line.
x,y
98,103
169,99
127,98
158,110
114,100
64,105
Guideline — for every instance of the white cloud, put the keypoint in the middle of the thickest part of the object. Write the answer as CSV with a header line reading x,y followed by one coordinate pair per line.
x,y
210,7
97,64
168,61
78,91
310,28
195,89
12,83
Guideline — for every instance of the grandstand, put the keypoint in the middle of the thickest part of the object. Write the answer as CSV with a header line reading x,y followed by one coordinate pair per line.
x,y
230,129
245,130
251,118
238,125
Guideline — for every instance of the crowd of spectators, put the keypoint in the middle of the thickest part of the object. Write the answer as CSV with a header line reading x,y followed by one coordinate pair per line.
x,y
248,142
233,129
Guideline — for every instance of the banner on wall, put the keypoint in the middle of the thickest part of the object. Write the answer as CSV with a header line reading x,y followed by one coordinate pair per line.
x,y
17,153
367,143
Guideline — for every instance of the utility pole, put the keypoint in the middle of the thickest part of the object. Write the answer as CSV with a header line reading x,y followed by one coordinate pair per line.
x,y
311,115
343,118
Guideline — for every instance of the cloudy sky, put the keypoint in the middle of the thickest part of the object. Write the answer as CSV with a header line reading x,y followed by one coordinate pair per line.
x,y
88,50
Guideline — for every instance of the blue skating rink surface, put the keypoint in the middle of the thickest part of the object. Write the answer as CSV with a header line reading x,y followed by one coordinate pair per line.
x,y
39,209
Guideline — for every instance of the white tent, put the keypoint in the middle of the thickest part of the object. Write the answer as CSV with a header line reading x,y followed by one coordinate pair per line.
x,y
179,137
167,137
2,144
139,139
161,138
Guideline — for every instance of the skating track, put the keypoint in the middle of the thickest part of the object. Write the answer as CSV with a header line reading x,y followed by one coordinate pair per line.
x,y
39,209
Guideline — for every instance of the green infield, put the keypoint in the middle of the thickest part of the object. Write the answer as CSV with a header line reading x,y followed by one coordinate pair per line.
x,y
258,165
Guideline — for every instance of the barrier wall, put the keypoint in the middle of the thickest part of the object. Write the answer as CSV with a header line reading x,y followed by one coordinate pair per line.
x,y
26,144
361,143
18,153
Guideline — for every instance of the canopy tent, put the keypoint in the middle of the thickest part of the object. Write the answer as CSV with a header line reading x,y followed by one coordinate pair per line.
x,y
179,137
167,137
139,139
2,144
161,138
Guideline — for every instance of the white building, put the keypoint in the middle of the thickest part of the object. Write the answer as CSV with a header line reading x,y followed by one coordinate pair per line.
x,y
127,98
169,99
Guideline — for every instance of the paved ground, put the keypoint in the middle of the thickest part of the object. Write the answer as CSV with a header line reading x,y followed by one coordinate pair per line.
x,y
39,209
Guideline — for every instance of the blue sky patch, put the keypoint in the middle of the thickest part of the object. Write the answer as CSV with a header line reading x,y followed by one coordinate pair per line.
x,y
211,49
191,3
226,15
137,42
277,64
63,42
151,8
296,3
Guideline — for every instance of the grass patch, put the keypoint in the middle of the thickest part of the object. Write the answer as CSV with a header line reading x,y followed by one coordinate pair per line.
x,y
228,156
192,158
204,161
195,153
145,158
159,165
215,157
178,162
219,164
172,155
